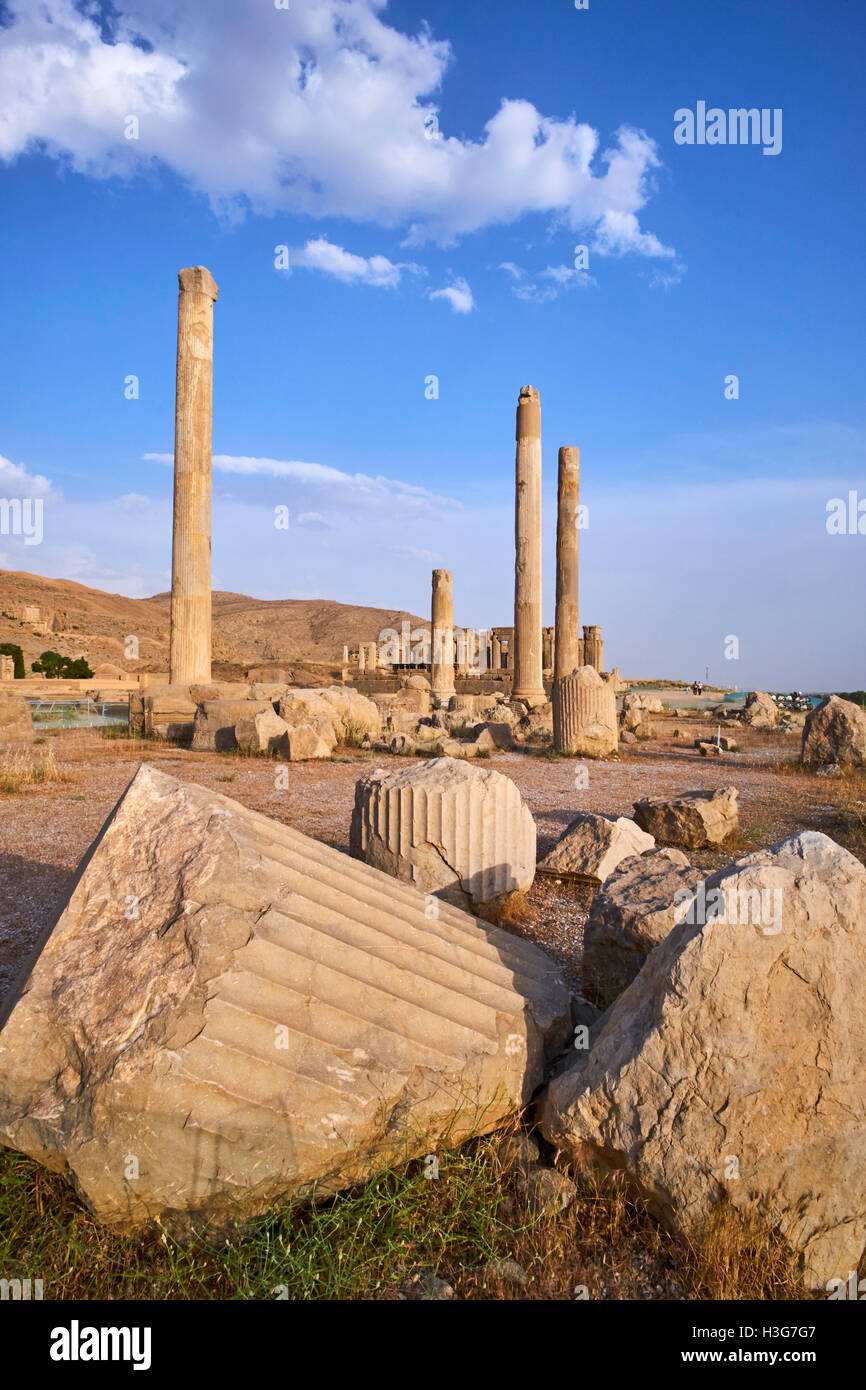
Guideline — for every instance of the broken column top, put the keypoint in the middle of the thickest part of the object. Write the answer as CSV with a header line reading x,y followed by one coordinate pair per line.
x,y
197,279
528,412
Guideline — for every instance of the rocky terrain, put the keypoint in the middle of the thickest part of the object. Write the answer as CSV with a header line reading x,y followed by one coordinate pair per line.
x,y
79,621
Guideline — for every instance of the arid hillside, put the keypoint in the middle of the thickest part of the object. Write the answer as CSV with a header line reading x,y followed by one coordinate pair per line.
x,y
78,621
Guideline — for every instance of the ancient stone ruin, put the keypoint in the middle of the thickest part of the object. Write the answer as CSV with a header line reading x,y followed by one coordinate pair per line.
x,y
271,1018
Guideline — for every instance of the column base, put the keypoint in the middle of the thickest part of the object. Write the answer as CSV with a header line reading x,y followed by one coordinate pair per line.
x,y
531,697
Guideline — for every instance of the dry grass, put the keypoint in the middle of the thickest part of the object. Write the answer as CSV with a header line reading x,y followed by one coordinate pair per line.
x,y
20,770
369,1241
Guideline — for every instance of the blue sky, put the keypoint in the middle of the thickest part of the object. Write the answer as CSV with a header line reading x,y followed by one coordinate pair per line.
x,y
451,256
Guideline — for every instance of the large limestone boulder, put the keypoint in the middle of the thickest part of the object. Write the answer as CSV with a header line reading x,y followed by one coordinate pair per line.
x,y
169,712
228,1012
300,706
409,700
356,716
835,732
220,690
637,906
694,820
16,721
215,722
760,711
592,846
734,1066
462,833
260,733
647,704
301,743
350,715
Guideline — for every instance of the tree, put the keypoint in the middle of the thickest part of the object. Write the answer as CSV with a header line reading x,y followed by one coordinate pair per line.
x,y
57,667
12,649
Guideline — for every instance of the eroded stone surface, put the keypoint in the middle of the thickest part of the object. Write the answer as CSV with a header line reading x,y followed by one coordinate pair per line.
x,y
592,846
462,833
273,1016
835,732
743,1040
693,820
637,907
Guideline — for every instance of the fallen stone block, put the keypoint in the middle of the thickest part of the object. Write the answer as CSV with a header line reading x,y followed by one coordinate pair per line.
x,y
356,716
733,1068
302,743
592,846
220,690
260,733
169,712
215,720
637,906
273,1019
461,833
694,820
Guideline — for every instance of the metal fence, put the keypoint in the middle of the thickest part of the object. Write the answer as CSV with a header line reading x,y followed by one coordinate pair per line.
x,y
78,714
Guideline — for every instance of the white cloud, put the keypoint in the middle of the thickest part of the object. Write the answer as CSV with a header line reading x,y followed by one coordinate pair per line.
x,y
132,502
459,296
354,488
413,552
563,277
319,109
17,481
321,254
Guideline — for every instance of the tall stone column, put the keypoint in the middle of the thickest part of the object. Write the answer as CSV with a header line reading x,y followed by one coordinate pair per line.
x,y
495,652
442,655
566,652
528,682
190,639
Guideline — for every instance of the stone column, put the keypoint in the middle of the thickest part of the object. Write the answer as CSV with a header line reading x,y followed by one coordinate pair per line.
x,y
584,714
547,648
190,637
345,655
442,654
592,648
566,654
372,656
528,682
495,652
362,658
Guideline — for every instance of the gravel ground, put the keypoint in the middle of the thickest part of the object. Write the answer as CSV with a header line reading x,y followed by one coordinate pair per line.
x,y
45,829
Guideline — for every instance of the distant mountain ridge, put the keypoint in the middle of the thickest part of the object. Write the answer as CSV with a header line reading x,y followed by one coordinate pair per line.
x,y
80,621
